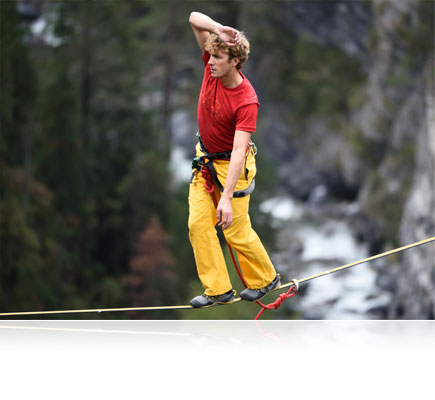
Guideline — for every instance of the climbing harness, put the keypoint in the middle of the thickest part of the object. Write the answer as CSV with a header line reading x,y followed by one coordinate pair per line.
x,y
209,176
204,164
293,287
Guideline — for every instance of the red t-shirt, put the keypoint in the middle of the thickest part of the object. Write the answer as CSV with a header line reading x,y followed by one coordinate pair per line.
x,y
222,110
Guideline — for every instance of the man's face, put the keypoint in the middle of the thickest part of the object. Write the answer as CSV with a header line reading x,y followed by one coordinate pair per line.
x,y
220,65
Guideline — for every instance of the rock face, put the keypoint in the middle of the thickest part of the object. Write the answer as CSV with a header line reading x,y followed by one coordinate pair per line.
x,y
374,154
385,160
414,295
399,196
343,24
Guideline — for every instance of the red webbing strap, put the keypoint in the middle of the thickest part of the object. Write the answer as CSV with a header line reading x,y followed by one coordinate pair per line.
x,y
283,296
209,187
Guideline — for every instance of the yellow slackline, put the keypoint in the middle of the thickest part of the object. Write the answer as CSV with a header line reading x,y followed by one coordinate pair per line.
x,y
387,253
309,278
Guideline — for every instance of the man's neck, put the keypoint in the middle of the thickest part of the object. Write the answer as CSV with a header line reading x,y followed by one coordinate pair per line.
x,y
232,79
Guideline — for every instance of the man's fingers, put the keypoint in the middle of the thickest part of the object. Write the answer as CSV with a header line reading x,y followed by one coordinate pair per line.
x,y
224,213
218,215
235,39
232,31
231,36
226,221
221,219
227,225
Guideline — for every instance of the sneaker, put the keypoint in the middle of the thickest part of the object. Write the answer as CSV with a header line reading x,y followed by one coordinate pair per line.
x,y
208,301
257,294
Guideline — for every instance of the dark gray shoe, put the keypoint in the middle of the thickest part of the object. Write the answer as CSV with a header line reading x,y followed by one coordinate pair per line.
x,y
257,294
203,300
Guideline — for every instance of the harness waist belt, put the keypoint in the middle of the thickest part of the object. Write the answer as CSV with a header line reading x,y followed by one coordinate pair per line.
x,y
225,155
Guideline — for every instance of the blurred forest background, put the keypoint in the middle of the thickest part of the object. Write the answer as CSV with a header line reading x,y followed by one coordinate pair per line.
x,y
98,121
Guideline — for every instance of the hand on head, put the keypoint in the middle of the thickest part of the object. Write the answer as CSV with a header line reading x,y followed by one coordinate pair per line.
x,y
228,35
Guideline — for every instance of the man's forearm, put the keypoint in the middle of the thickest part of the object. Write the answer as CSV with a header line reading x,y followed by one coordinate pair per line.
x,y
233,174
203,23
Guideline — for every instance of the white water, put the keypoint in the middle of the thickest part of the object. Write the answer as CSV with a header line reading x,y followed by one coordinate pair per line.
x,y
309,245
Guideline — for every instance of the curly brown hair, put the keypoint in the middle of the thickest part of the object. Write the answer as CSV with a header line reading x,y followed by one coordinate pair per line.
x,y
240,51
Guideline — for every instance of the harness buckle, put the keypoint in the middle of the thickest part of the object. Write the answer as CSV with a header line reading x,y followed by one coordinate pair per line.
x,y
198,162
253,148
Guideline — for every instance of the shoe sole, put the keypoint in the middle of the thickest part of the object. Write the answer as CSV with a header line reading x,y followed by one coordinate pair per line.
x,y
264,295
221,303
218,303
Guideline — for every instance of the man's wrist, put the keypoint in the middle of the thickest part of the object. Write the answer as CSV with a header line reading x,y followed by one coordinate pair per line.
x,y
216,30
227,195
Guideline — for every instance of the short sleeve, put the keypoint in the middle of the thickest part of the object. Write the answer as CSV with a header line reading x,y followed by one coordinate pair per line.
x,y
246,118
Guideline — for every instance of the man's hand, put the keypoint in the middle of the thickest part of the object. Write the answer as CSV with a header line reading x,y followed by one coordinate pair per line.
x,y
203,25
224,213
228,35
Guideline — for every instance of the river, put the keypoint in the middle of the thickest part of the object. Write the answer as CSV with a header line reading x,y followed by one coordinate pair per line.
x,y
310,240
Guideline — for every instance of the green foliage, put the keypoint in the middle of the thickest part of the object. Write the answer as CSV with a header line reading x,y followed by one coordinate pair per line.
x,y
320,79
98,172
366,149
88,131
18,86
22,283
417,38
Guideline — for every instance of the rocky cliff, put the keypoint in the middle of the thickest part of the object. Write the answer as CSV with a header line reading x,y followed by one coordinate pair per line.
x,y
414,294
398,195
379,151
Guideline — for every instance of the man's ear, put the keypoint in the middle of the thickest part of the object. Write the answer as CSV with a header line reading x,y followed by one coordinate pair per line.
x,y
235,61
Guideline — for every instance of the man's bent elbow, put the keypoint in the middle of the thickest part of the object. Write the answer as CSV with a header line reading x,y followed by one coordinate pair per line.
x,y
192,17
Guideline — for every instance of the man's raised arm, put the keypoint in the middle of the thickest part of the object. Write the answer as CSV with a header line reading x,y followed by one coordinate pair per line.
x,y
203,25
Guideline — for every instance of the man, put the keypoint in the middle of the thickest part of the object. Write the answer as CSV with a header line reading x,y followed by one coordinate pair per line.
x,y
227,114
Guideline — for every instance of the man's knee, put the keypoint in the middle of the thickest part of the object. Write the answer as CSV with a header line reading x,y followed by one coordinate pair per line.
x,y
238,232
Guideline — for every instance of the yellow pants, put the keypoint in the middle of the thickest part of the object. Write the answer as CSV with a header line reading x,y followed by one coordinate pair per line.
x,y
257,269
